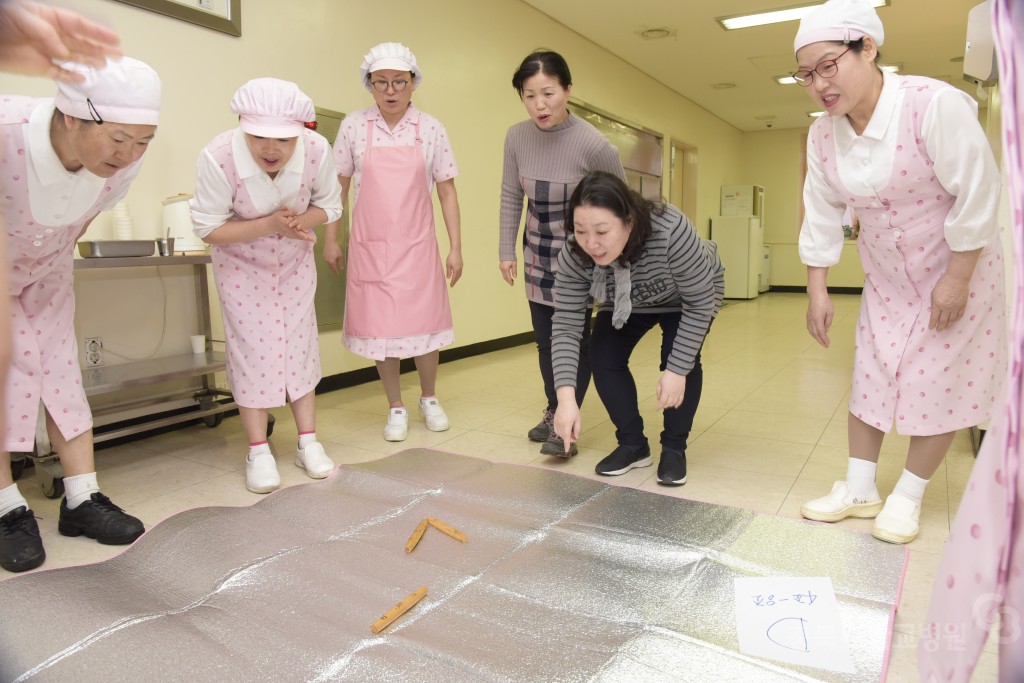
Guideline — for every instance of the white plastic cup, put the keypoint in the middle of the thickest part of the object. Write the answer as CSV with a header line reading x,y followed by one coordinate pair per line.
x,y
198,343
122,222
123,229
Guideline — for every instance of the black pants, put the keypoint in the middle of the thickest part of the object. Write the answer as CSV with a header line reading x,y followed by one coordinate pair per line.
x,y
610,350
542,316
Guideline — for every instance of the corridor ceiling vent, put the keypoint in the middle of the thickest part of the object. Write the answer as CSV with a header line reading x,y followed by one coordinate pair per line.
x,y
656,33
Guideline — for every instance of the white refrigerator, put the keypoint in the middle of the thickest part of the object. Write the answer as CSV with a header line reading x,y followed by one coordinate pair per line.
x,y
740,241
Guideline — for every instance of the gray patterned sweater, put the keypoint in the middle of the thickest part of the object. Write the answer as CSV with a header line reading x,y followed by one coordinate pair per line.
x,y
545,166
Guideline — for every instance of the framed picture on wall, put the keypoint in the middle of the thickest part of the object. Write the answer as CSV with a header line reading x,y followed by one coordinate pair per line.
x,y
220,15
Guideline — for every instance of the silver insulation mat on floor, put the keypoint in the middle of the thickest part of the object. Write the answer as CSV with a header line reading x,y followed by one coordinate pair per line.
x,y
563,578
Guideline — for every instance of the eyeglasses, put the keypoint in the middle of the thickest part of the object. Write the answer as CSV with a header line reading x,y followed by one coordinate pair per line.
x,y
382,86
826,69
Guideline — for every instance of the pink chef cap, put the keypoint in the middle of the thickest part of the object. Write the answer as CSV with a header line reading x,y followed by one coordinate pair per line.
x,y
125,90
840,21
272,108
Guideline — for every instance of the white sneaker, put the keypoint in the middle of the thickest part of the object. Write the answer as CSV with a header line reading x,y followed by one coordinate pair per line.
x,y
261,473
397,427
314,460
433,413
898,522
840,504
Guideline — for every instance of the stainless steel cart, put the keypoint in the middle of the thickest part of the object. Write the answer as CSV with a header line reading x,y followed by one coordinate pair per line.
x,y
140,414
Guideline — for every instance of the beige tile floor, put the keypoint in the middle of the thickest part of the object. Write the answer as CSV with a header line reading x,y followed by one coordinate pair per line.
x,y
770,434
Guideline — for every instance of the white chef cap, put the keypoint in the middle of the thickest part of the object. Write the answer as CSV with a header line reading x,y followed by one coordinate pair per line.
x,y
125,90
393,56
272,108
841,21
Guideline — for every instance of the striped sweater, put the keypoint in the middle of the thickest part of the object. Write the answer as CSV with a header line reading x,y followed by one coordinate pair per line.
x,y
676,271
545,166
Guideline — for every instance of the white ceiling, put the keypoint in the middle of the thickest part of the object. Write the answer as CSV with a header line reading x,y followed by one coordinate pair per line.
x,y
925,36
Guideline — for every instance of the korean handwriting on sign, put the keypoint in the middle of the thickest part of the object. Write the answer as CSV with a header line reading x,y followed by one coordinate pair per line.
x,y
807,598
792,619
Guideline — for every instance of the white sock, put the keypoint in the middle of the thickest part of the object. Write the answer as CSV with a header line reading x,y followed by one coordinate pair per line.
x,y
77,490
911,486
306,439
11,499
257,449
860,478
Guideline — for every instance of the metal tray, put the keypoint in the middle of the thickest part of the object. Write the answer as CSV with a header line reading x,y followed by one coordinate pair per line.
x,y
116,248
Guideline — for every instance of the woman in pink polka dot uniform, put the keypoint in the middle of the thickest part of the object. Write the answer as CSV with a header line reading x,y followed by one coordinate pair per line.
x,y
980,582
908,155
63,161
261,188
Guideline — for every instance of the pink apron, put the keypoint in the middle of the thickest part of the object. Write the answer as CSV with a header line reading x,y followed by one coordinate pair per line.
x,y
931,382
44,364
396,285
266,290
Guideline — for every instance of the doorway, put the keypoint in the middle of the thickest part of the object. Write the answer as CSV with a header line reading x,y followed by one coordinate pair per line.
x,y
683,180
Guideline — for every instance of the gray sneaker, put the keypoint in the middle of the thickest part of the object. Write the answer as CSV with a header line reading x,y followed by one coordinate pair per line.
x,y
543,429
556,447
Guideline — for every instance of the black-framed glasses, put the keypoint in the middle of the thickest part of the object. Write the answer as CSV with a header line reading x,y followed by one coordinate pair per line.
x,y
95,115
382,86
826,69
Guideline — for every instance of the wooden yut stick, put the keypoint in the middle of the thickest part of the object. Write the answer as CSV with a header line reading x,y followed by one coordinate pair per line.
x,y
421,528
398,610
446,529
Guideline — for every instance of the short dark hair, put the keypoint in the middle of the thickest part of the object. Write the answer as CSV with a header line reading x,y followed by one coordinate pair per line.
x,y
607,191
858,47
547,62
58,116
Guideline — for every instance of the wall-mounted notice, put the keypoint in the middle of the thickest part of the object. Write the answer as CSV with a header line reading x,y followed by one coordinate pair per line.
x,y
792,619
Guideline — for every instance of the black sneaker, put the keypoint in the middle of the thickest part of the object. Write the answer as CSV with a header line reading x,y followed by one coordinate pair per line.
x,y
100,519
672,468
556,447
623,459
21,548
543,429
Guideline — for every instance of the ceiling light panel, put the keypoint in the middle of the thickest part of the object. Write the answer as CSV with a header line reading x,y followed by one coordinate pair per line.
x,y
774,16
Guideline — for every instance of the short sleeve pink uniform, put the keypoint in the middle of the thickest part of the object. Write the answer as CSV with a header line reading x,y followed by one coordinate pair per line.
x,y
267,286
45,209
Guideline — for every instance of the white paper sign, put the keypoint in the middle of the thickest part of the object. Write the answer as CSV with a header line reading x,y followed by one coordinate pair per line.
x,y
792,619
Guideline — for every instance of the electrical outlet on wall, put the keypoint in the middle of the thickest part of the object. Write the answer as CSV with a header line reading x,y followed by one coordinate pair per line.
x,y
93,352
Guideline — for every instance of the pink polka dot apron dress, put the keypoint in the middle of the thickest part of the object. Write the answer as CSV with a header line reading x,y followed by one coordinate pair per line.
x,y
979,585
396,283
927,382
44,366
266,290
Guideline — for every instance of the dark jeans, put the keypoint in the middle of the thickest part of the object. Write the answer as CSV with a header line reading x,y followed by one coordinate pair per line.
x,y
610,350
542,316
